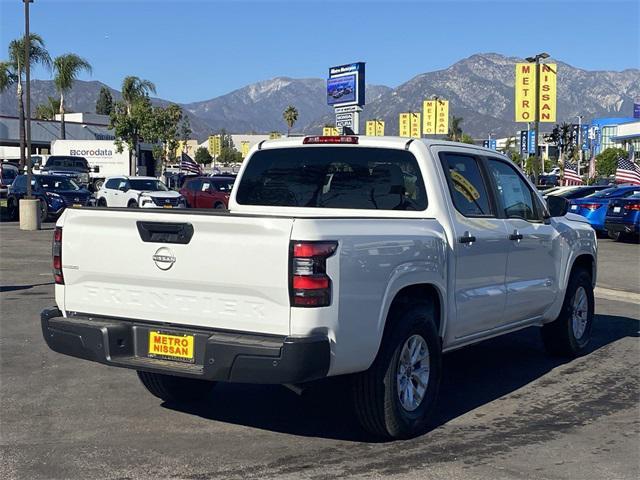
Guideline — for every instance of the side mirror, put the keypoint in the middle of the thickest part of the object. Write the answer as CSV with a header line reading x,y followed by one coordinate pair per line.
x,y
95,169
558,206
124,189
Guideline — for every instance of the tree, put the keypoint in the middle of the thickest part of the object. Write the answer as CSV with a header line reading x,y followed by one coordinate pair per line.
x,y
203,156
47,111
562,136
466,138
290,116
66,69
228,152
104,104
607,161
134,89
13,72
162,128
455,129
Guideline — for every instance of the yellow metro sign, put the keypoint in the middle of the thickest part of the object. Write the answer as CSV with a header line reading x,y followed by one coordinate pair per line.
x,y
525,92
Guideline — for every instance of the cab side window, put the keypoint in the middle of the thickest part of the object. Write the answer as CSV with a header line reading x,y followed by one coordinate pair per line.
x,y
515,196
466,185
112,183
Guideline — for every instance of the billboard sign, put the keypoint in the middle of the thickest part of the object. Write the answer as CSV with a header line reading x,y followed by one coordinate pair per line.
x,y
410,125
345,85
442,117
548,92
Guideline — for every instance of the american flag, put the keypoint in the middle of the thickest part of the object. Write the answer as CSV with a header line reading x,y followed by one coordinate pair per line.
x,y
628,171
571,176
189,165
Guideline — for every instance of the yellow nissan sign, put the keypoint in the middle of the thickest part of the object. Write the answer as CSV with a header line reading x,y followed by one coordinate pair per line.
x,y
215,145
442,117
410,125
375,128
548,92
244,149
329,131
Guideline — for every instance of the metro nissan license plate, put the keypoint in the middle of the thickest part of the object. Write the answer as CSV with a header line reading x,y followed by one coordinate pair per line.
x,y
168,206
171,347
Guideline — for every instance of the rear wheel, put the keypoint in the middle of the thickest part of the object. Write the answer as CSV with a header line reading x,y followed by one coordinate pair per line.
x,y
44,211
132,204
570,333
175,389
219,206
12,208
102,202
396,396
97,184
616,236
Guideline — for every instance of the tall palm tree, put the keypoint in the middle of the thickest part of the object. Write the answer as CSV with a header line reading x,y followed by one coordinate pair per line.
x,y
14,70
66,68
290,116
47,111
455,129
134,88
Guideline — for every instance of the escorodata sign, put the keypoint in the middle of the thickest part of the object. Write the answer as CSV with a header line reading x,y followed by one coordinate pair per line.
x,y
345,85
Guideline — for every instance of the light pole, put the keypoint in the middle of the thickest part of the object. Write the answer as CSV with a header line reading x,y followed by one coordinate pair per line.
x,y
536,126
27,70
579,142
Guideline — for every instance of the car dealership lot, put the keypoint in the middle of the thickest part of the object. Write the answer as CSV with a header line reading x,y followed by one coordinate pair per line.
x,y
506,409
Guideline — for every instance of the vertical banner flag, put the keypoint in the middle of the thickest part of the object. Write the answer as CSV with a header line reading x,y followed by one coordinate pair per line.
x,y
274,135
584,136
532,142
405,125
329,131
575,134
416,132
548,76
429,117
636,108
442,117
524,143
525,92
374,128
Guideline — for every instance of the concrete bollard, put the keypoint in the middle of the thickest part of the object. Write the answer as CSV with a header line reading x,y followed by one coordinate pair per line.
x,y
29,214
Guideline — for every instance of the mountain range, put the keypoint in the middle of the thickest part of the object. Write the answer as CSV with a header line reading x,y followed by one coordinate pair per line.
x,y
479,88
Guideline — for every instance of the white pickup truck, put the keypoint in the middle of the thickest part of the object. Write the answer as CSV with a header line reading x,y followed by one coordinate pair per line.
x,y
367,256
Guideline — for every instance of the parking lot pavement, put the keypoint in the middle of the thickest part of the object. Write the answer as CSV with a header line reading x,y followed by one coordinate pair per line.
x,y
506,409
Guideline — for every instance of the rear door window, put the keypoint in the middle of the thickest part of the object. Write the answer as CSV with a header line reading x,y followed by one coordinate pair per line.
x,y
333,177
466,184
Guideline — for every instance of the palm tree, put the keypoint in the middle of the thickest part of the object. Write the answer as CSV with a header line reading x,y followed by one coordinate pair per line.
x,y
47,111
66,68
13,71
290,116
134,88
455,129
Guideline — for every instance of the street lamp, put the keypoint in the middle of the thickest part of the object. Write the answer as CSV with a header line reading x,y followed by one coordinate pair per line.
x,y
536,59
579,141
27,71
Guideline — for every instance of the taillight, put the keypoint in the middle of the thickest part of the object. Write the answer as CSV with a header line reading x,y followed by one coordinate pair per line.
x,y
309,285
348,139
632,206
57,256
591,206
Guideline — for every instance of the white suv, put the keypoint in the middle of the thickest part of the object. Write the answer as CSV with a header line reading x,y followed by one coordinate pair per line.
x,y
133,192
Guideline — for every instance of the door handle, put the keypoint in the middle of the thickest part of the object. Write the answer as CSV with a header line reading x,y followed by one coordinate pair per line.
x,y
516,236
467,238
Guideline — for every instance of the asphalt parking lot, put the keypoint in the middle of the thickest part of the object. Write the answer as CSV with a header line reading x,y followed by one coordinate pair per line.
x,y
506,409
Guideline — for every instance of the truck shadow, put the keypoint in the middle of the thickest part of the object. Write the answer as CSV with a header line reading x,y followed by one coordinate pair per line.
x,y
472,377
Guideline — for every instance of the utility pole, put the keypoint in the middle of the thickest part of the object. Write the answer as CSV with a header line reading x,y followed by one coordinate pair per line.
x,y
536,124
579,142
27,69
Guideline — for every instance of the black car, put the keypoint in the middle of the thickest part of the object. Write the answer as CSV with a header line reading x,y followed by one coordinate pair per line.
x,y
8,173
76,168
55,192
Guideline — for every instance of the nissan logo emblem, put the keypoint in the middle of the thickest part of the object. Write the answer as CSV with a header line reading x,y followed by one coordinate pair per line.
x,y
164,258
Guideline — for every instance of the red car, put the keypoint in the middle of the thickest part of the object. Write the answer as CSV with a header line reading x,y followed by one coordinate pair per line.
x,y
208,192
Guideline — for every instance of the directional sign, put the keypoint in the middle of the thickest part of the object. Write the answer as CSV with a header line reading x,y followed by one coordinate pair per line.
x,y
344,120
347,109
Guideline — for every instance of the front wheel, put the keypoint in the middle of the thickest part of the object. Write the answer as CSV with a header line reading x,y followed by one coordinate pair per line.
x,y
570,333
219,206
102,202
97,184
396,396
132,204
12,208
175,389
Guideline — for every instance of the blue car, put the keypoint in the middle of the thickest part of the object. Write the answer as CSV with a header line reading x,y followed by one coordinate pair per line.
x,y
594,206
623,218
55,192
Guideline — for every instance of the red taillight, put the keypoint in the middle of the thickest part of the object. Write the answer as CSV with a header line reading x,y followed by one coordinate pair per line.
x,y
310,286
57,256
591,206
348,139
632,206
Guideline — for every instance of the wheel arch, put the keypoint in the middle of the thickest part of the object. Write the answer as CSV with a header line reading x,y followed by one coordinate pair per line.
x,y
585,261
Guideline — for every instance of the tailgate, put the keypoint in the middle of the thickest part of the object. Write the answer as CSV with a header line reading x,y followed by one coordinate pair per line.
x,y
232,274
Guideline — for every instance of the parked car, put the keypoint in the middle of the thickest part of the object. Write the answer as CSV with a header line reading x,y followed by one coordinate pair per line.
x,y
208,192
55,192
133,192
8,173
332,266
176,180
594,206
577,191
623,218
70,166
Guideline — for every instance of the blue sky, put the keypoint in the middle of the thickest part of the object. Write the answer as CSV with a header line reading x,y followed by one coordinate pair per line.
x,y
196,50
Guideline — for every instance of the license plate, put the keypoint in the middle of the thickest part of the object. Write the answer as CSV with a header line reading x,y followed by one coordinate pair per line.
x,y
574,207
167,206
77,205
171,347
616,209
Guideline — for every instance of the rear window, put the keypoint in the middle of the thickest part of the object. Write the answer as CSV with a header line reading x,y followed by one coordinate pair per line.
x,y
8,173
333,177
67,162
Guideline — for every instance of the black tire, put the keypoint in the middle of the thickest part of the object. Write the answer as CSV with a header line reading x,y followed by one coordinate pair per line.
x,y
219,206
44,211
175,389
375,392
12,208
559,337
615,236
132,204
97,184
102,202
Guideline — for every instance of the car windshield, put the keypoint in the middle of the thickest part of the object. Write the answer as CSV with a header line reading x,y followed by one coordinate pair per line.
x,y
66,162
57,183
148,184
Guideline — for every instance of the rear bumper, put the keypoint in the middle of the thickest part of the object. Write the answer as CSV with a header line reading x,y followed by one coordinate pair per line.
x,y
219,355
615,227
